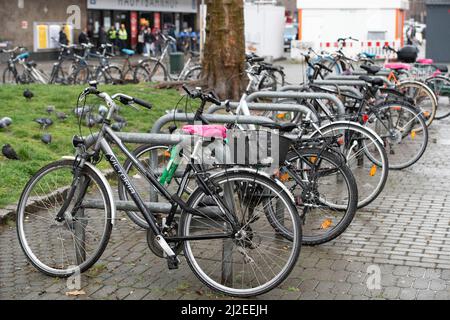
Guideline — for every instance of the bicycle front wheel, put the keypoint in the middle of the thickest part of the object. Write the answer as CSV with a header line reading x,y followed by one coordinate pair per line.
x,y
422,97
254,258
328,198
403,130
355,144
9,77
73,245
441,88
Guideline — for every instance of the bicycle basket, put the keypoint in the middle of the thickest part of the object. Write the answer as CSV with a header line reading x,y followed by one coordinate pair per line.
x,y
257,147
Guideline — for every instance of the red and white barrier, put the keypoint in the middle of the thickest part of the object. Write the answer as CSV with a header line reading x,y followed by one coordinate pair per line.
x,y
352,48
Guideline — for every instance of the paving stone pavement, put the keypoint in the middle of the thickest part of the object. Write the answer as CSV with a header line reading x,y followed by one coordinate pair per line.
x,y
404,234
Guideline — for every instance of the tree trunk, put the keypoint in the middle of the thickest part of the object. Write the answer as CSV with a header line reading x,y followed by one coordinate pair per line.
x,y
224,51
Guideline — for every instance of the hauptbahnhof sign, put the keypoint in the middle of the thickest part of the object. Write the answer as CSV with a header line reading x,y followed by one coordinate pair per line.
x,y
145,5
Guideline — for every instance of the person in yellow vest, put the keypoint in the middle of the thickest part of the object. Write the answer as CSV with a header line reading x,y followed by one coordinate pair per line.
x,y
123,37
112,37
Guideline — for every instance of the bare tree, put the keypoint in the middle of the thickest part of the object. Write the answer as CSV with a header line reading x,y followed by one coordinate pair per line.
x,y
224,51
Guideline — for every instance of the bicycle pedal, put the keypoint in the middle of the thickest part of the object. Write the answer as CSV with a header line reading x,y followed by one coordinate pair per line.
x,y
172,262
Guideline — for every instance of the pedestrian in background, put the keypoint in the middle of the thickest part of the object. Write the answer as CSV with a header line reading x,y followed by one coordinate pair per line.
x,y
102,37
83,37
149,40
62,36
123,37
112,36
141,43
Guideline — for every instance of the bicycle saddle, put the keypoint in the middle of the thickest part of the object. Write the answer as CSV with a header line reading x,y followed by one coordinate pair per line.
x,y
128,52
425,61
371,69
397,66
373,81
441,67
282,127
207,131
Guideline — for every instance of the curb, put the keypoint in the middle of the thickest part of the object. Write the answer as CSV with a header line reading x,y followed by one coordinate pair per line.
x,y
9,212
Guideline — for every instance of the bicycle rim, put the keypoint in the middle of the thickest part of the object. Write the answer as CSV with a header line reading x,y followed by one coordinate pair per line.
x,y
259,257
73,245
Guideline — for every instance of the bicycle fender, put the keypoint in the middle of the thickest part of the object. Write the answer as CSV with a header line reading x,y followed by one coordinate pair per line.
x,y
105,182
423,85
251,170
357,125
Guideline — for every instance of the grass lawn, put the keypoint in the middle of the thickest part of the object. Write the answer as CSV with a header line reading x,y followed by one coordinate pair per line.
x,y
24,134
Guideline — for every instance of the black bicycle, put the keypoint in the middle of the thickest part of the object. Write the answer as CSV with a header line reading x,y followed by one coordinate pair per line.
x,y
66,213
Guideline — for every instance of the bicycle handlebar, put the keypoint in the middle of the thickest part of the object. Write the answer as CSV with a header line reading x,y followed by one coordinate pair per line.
x,y
12,50
123,98
198,94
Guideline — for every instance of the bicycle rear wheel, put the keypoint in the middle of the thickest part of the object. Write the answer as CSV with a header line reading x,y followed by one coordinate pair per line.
x,y
61,249
255,258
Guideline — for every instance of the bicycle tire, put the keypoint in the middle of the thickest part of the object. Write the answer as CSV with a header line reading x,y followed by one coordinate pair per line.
x,y
193,262
436,84
382,163
22,207
347,213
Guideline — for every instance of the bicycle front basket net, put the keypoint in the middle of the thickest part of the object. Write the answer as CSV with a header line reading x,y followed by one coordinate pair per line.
x,y
257,147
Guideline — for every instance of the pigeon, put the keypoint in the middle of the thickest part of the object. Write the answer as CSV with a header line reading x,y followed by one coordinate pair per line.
x,y
81,112
44,122
28,94
117,126
90,121
9,152
102,110
61,115
50,109
118,118
98,118
46,138
4,122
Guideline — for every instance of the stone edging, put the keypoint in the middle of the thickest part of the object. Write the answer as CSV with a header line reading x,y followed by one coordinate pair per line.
x,y
9,212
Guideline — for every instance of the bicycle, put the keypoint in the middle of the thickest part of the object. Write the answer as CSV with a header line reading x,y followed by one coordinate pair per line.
x,y
222,222
10,74
30,72
156,69
323,186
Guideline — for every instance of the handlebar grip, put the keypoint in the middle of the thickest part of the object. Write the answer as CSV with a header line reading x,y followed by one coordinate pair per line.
x,y
214,99
143,103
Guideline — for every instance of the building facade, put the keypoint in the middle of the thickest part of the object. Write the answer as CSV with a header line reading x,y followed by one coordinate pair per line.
x,y
34,23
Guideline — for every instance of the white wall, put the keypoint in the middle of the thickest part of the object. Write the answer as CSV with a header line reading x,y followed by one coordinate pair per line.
x,y
320,25
352,4
264,28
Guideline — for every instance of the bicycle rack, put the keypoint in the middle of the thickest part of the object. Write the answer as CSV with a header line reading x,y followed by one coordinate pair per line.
x,y
267,107
348,89
298,95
